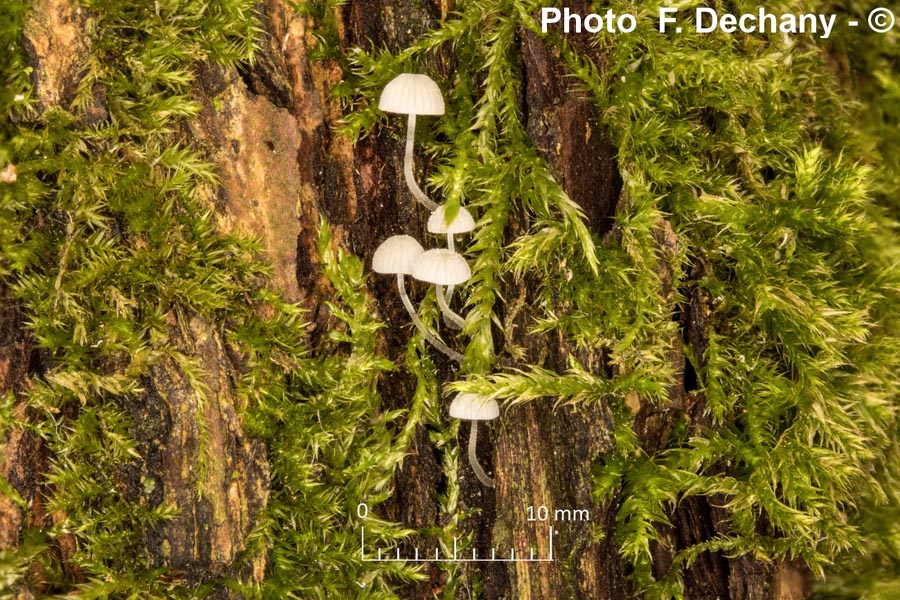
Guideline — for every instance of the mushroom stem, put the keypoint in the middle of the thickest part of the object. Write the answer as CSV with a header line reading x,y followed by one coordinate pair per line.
x,y
448,294
414,188
452,318
434,340
452,248
473,458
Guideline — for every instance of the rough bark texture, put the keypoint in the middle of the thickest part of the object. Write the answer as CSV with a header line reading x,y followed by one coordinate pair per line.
x,y
57,44
195,451
249,137
13,353
188,433
23,457
283,168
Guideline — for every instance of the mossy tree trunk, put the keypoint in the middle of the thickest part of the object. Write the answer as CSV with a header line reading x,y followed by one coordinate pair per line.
x,y
271,130
540,455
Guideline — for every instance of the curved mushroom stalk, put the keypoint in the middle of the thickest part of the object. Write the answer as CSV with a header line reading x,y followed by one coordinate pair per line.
x,y
433,339
473,457
396,255
412,94
451,318
448,295
414,188
474,408
437,223
441,267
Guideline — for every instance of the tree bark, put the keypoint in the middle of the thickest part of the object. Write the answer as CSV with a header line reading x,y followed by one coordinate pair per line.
x,y
194,455
23,457
271,130
538,455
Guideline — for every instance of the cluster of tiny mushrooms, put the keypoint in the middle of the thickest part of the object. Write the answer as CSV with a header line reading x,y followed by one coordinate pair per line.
x,y
414,94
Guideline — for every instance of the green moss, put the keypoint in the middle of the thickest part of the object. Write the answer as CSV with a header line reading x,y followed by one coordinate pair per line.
x,y
332,447
106,237
746,145
766,192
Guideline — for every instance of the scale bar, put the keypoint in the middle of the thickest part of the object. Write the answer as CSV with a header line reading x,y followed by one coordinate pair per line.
x,y
392,559
455,558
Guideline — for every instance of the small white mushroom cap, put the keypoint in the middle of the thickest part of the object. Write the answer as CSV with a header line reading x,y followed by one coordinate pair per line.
x,y
396,255
412,93
442,267
461,223
474,407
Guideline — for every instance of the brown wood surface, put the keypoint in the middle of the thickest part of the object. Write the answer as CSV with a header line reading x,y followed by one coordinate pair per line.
x,y
272,132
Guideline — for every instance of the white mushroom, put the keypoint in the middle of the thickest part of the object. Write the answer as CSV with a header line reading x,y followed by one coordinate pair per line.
x,y
463,222
412,94
474,408
396,255
443,267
